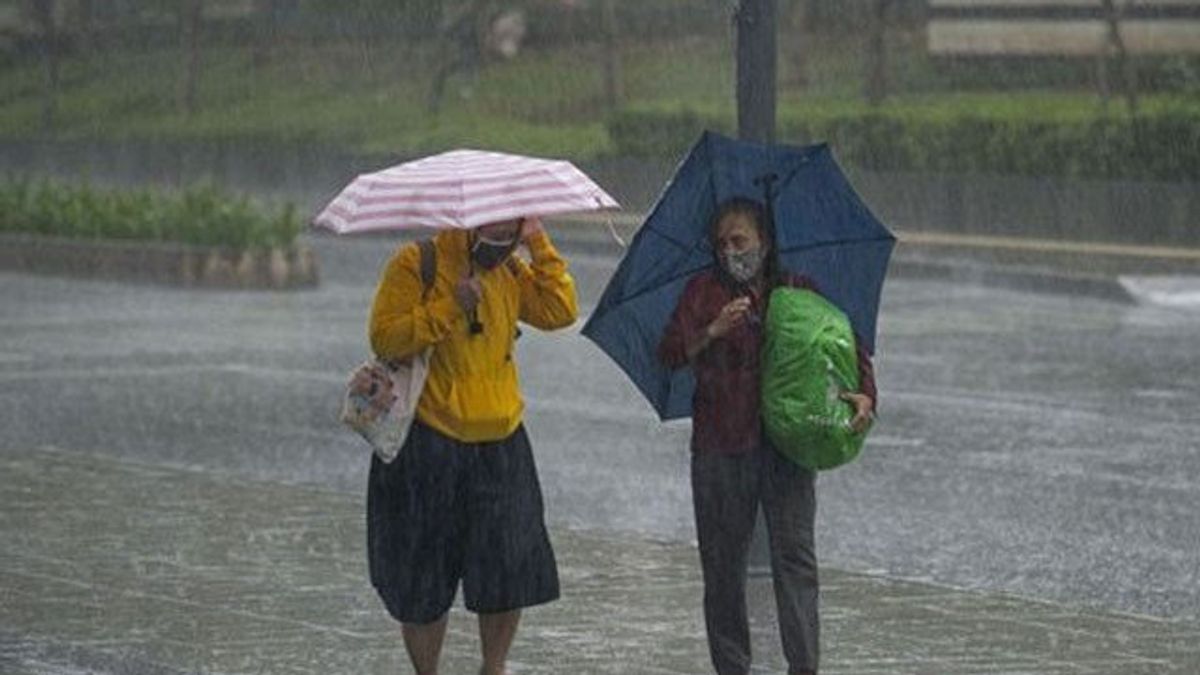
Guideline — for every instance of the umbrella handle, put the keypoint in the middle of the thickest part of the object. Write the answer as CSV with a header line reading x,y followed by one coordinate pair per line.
x,y
474,326
767,181
612,229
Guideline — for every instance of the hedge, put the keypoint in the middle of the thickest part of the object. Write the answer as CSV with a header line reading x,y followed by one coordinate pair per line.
x,y
1162,143
202,215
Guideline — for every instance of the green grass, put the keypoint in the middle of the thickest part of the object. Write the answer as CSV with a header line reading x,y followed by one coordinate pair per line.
x,y
1049,105
372,98
336,96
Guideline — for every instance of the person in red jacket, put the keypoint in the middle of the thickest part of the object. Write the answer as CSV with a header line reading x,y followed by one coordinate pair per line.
x,y
717,330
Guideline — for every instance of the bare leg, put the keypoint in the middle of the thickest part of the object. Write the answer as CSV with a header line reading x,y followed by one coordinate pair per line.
x,y
496,632
424,644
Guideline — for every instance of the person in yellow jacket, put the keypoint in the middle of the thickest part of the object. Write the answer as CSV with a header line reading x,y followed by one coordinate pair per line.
x,y
462,502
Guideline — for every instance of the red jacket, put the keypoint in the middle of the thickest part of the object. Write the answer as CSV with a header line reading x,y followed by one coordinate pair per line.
x,y
726,405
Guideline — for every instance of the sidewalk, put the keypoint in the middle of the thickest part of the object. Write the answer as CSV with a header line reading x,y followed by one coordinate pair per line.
x,y
115,567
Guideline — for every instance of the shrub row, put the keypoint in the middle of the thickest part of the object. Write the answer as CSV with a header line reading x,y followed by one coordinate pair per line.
x,y
202,215
1159,144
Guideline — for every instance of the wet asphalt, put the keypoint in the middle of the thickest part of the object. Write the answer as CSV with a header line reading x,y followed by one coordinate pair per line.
x,y
1042,444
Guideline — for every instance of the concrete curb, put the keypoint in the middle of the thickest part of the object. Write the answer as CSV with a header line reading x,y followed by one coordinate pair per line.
x,y
910,260
1079,268
1015,278
170,264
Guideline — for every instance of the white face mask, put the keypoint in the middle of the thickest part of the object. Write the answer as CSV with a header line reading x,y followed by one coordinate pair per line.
x,y
482,238
745,265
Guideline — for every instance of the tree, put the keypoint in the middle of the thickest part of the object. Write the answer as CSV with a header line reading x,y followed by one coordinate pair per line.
x,y
613,89
460,44
1114,48
44,17
266,17
797,49
876,86
85,25
191,21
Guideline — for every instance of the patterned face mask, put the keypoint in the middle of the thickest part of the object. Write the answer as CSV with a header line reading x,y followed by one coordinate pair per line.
x,y
745,265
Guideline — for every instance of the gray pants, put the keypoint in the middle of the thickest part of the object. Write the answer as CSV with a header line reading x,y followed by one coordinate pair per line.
x,y
726,493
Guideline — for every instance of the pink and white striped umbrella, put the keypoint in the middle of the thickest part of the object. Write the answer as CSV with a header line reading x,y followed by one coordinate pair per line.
x,y
462,189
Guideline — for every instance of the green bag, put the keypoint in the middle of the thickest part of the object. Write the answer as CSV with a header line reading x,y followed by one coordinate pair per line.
x,y
809,360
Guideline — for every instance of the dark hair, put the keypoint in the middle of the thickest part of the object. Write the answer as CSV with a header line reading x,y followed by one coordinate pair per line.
x,y
757,213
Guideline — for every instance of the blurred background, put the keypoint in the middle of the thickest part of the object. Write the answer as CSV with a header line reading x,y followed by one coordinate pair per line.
x,y
1091,103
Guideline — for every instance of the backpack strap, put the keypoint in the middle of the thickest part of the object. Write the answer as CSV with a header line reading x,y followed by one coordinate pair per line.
x,y
513,267
428,266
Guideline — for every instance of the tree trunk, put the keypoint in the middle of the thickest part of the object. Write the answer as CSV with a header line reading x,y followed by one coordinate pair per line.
x,y
264,44
85,25
191,22
460,46
43,15
876,89
795,46
1115,46
613,89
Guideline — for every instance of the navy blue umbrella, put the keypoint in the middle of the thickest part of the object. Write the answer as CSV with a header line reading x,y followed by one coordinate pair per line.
x,y
823,230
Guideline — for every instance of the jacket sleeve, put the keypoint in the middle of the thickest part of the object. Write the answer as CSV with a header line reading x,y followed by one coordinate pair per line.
x,y
401,324
547,290
684,329
866,374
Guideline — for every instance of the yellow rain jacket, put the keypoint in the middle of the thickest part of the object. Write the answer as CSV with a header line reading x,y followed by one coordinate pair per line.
x,y
472,393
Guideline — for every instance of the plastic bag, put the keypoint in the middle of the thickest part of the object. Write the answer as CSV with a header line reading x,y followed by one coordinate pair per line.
x,y
381,401
809,360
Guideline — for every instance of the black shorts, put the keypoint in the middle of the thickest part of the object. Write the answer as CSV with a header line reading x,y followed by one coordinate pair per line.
x,y
445,511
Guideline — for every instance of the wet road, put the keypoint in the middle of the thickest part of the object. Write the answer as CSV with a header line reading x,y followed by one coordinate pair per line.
x,y
1038,444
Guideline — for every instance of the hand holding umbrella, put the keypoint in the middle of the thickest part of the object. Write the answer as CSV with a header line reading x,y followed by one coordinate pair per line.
x,y
462,189
531,227
465,190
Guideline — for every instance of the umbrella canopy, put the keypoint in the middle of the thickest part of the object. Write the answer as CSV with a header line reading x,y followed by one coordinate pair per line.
x,y
823,230
462,189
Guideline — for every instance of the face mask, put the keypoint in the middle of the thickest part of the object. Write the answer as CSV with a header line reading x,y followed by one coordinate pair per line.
x,y
487,253
745,265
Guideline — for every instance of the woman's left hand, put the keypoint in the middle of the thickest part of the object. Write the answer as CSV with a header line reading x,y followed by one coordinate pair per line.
x,y
531,226
863,407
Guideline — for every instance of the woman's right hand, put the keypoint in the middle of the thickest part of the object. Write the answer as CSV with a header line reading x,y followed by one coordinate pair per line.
x,y
732,315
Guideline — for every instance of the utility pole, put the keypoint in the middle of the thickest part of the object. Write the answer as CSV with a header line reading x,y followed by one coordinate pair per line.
x,y
756,61
756,84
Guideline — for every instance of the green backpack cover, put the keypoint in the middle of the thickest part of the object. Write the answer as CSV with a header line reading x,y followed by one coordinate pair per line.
x,y
809,360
